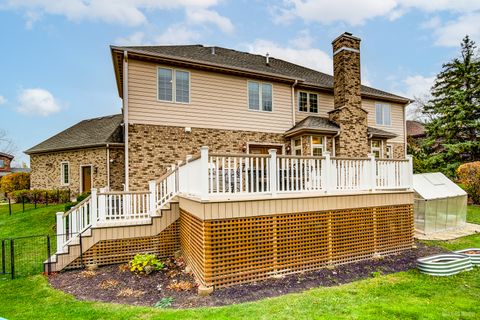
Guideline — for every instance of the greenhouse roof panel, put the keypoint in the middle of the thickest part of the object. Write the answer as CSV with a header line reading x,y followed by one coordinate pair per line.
x,y
436,185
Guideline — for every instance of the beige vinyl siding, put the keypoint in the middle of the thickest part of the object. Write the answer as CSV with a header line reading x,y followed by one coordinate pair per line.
x,y
216,101
325,104
397,119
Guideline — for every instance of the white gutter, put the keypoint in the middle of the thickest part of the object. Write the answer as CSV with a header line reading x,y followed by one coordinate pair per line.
x,y
293,102
125,114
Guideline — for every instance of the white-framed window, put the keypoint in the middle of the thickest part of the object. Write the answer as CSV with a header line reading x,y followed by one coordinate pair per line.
x,y
2,163
318,145
297,147
173,85
389,151
376,147
65,173
307,102
383,114
260,96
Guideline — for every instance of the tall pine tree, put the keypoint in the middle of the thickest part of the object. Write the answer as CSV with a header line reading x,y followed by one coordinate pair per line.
x,y
453,134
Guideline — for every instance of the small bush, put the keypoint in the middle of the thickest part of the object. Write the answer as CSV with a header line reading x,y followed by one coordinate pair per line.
x,y
82,196
39,196
164,303
469,177
145,263
15,181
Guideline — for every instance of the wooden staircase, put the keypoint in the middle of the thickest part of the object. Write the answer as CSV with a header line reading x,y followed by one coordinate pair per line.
x,y
76,254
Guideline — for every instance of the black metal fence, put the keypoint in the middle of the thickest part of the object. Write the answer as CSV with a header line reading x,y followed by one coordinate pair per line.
x,y
23,256
37,200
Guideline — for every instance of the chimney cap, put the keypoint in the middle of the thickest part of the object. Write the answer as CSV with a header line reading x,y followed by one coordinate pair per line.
x,y
346,35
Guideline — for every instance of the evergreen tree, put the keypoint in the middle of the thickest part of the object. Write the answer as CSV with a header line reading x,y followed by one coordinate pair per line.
x,y
454,109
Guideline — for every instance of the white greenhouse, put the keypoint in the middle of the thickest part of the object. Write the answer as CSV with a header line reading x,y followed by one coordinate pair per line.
x,y
439,203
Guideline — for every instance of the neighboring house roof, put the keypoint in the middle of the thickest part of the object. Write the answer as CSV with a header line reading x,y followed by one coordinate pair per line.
x,y
14,170
6,155
243,61
324,125
87,133
415,129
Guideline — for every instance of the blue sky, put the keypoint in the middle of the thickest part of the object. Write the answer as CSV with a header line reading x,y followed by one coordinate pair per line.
x,y
56,66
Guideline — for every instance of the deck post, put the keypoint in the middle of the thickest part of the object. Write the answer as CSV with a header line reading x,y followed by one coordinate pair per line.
x,y
410,171
60,232
326,176
102,206
204,173
372,172
93,206
152,186
273,171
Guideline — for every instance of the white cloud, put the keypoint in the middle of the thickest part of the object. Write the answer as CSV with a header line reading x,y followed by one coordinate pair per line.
x,y
125,12
176,34
358,12
451,33
37,102
135,39
308,57
3,100
202,16
417,86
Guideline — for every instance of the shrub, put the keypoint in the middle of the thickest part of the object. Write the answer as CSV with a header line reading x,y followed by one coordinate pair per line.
x,y
145,263
39,196
469,177
15,181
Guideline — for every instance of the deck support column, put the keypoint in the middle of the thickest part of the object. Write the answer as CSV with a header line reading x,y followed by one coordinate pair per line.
x,y
273,171
152,186
326,175
60,232
372,172
204,173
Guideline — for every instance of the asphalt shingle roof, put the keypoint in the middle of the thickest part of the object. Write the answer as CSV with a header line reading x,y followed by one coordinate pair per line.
x,y
321,124
415,129
247,61
86,133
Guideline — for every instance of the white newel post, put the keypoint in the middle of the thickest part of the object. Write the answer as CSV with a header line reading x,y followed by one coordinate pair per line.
x,y
204,173
410,171
93,206
102,208
273,171
327,168
372,172
60,232
152,186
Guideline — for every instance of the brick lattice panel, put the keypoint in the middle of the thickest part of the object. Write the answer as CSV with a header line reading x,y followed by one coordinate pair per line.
x,y
231,251
123,250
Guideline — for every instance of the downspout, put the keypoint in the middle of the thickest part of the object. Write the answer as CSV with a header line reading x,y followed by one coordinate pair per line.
x,y
108,167
125,114
370,136
293,101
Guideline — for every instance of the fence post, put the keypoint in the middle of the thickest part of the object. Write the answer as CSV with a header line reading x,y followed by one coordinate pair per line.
x,y
326,166
9,206
12,258
273,171
60,232
204,173
410,171
49,267
46,198
102,206
35,199
372,172
152,186
3,256
23,203
93,206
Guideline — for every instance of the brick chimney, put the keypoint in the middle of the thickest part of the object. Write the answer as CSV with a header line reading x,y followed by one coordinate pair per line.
x,y
348,112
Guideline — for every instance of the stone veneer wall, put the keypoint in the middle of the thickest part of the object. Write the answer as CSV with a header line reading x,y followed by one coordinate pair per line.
x,y
117,168
152,149
46,171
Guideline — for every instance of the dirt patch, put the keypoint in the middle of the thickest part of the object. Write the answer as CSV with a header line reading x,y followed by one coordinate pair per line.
x,y
115,284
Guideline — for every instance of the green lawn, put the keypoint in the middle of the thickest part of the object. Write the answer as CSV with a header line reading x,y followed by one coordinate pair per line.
x,y
405,295
473,214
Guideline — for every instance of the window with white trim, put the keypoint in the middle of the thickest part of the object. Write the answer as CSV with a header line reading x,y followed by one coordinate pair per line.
x,y
307,102
173,85
260,96
318,146
389,151
65,173
383,114
376,147
297,147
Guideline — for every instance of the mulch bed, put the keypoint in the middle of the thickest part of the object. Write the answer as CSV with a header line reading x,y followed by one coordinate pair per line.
x,y
115,284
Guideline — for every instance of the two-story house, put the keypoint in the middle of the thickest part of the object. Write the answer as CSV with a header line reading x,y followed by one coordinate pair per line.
x,y
250,165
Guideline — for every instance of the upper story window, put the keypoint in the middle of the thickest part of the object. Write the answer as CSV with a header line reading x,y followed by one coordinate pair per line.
x,y
2,163
383,114
318,146
297,147
173,85
307,102
65,172
259,96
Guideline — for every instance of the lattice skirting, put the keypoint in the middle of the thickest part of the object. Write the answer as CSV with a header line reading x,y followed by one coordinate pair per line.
x,y
231,251
119,251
